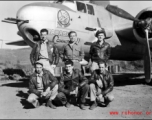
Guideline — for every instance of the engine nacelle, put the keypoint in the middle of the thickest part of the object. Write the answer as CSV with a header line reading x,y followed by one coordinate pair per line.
x,y
138,31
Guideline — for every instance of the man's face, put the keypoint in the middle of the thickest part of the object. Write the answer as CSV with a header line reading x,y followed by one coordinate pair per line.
x,y
69,68
101,37
38,68
44,36
102,68
73,37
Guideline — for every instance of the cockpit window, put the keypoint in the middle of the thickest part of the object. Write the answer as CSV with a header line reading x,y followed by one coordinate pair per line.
x,y
81,7
60,1
90,9
70,1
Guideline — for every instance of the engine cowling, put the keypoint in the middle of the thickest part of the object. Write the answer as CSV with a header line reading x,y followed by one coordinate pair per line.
x,y
145,18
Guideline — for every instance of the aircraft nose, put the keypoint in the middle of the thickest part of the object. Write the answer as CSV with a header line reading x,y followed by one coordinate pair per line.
x,y
24,13
39,17
28,12
29,30
36,12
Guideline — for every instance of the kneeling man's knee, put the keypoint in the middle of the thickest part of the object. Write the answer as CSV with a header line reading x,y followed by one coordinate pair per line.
x,y
92,86
110,98
30,99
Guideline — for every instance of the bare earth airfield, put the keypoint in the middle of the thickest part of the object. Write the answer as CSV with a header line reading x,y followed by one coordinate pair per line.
x,y
133,99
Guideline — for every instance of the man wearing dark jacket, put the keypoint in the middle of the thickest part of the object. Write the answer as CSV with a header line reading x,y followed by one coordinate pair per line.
x,y
99,50
46,52
101,85
43,86
72,83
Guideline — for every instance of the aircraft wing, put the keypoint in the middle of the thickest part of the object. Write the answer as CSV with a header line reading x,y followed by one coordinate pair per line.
x,y
125,31
18,43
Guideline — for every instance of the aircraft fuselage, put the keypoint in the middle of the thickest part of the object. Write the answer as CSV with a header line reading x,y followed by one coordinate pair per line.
x,y
59,20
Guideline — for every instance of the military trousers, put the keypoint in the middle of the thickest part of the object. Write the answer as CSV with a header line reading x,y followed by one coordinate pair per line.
x,y
81,96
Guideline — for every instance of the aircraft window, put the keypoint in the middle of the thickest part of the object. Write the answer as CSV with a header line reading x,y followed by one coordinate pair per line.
x,y
61,1
70,1
81,7
90,9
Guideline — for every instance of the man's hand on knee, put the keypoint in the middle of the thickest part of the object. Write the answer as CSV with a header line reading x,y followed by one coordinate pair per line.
x,y
73,92
53,66
98,93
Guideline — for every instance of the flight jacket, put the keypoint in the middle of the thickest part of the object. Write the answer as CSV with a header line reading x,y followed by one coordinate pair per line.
x,y
48,81
53,56
108,82
68,84
98,52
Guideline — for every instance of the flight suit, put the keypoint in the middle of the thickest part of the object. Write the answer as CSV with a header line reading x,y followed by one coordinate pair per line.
x,y
74,53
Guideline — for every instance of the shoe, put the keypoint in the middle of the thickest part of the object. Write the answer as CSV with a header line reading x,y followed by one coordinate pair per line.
x,y
35,104
67,105
50,104
107,103
83,107
93,106
41,101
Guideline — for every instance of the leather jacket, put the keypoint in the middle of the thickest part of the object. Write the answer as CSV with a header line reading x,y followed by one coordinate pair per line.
x,y
48,81
108,82
53,56
69,83
98,52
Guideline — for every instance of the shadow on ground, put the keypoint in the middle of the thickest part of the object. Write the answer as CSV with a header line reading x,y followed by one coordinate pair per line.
x,y
23,101
22,83
119,80
56,102
128,79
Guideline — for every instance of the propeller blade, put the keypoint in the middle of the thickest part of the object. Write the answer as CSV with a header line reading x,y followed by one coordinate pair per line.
x,y
121,13
147,60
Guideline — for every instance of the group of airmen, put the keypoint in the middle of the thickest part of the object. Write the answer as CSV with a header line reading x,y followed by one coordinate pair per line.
x,y
44,87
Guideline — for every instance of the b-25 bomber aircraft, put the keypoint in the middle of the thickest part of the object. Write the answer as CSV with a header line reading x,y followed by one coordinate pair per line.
x,y
129,41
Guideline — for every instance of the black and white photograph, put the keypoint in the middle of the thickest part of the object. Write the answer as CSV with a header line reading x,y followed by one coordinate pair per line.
x,y
75,59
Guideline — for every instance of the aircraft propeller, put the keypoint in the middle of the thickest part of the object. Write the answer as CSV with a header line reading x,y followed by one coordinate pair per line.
x,y
146,26
120,12
147,59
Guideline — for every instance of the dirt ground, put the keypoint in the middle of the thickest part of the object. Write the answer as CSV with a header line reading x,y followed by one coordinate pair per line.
x,y
133,100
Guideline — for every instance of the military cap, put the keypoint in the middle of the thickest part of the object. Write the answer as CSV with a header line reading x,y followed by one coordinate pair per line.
x,y
38,62
102,30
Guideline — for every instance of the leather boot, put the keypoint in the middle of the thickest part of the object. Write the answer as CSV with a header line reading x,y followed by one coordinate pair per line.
x,y
36,104
93,106
107,103
82,106
67,105
50,104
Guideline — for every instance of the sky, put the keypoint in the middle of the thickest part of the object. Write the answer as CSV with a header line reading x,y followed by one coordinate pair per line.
x,y
8,32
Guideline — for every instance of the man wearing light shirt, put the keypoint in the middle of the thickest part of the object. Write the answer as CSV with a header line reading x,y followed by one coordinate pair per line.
x,y
73,51
46,52
43,87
